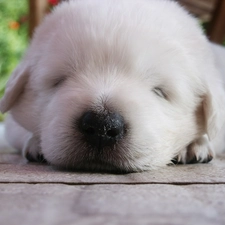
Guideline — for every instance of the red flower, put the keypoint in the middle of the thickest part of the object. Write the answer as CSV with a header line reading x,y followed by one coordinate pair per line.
x,y
53,2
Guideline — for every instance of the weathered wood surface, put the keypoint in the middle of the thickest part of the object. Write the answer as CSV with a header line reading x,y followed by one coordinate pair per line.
x,y
31,204
34,194
15,169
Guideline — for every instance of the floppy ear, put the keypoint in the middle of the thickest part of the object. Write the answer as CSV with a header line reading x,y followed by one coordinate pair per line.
x,y
214,102
14,87
214,109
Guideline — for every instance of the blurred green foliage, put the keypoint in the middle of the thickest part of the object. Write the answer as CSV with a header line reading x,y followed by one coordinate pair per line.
x,y
1,117
13,37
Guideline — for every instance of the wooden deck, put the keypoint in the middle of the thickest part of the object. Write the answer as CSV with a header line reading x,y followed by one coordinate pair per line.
x,y
38,194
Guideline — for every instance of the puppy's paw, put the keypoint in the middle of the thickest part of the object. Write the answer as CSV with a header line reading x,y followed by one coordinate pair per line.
x,y
32,151
199,151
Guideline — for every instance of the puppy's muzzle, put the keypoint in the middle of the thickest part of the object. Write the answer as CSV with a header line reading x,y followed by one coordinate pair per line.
x,y
102,129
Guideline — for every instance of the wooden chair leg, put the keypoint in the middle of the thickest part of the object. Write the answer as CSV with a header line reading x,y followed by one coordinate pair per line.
x,y
37,10
216,31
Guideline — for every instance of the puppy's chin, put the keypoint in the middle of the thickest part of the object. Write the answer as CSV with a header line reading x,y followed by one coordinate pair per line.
x,y
98,162
98,166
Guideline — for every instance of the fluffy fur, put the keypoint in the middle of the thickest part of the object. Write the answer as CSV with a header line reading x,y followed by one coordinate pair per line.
x,y
146,60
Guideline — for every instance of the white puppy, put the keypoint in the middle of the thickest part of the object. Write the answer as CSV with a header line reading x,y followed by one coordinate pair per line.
x,y
116,85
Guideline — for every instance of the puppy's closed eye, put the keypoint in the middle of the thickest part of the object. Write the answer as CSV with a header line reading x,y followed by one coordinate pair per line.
x,y
160,92
58,81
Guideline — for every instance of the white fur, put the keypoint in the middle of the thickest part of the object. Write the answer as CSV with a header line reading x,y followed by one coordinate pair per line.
x,y
4,146
117,54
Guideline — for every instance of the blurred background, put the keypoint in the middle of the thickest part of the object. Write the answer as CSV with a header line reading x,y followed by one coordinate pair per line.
x,y
18,19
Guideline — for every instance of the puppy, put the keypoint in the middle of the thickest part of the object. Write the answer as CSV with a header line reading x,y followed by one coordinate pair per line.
x,y
116,85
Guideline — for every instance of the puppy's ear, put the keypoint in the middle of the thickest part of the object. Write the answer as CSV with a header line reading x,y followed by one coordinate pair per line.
x,y
14,87
214,109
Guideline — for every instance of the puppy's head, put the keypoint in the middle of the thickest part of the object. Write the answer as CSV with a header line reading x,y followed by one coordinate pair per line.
x,y
115,89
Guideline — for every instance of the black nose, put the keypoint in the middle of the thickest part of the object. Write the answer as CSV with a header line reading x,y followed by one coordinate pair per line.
x,y
102,129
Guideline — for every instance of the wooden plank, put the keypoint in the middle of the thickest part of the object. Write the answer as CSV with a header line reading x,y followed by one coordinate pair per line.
x,y
201,8
48,204
14,169
206,5
199,13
